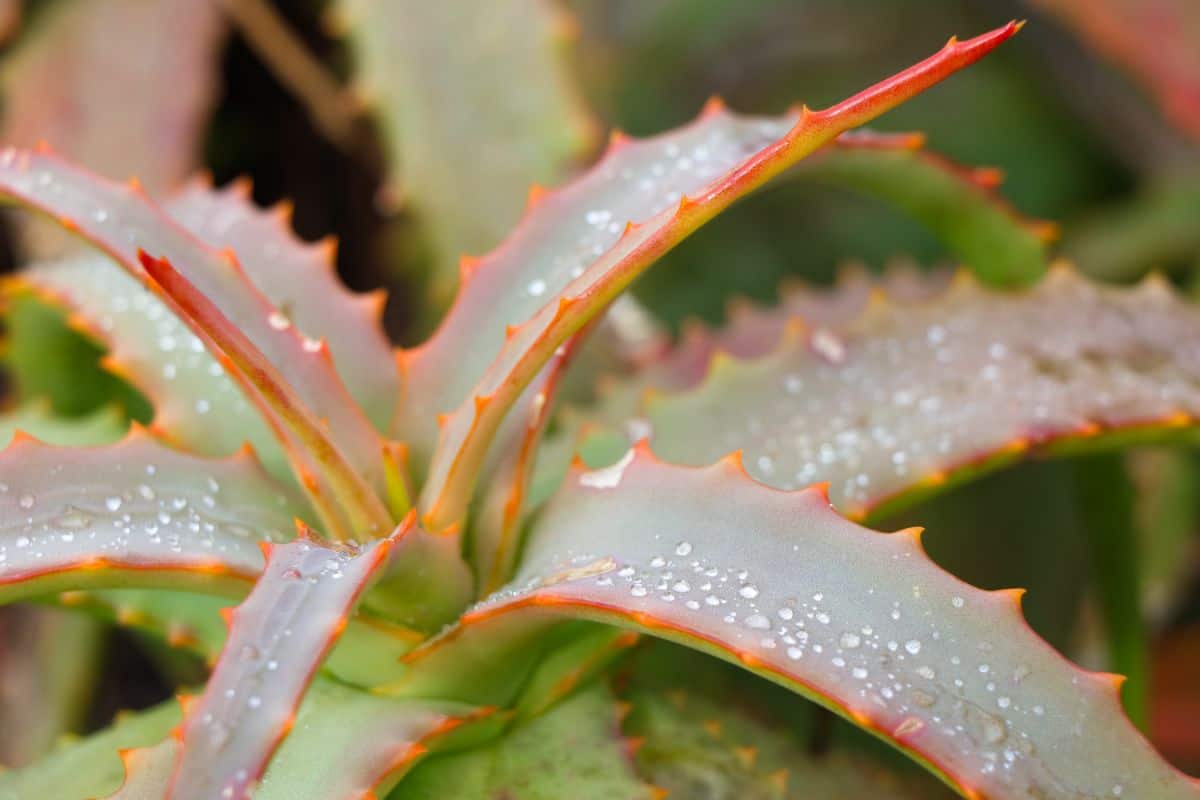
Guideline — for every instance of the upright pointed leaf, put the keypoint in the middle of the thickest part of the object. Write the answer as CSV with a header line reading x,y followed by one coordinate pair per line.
x,y
464,167
860,621
278,638
134,514
741,155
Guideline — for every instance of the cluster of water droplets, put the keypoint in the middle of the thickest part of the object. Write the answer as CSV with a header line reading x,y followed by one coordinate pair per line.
x,y
63,513
913,391
641,180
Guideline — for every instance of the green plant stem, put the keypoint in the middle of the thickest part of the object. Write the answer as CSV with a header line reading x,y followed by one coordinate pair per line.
x,y
1106,505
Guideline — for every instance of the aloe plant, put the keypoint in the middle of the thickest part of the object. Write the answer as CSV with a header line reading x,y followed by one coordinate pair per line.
x,y
409,592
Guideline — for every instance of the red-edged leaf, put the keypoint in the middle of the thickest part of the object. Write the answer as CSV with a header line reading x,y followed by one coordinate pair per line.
x,y
121,221
581,266
328,476
860,621
278,637
108,84
134,514
910,397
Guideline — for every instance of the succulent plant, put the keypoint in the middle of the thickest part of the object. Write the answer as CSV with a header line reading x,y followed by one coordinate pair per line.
x,y
429,598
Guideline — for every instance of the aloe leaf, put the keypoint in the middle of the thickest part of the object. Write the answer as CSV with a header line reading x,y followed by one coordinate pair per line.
x,y
859,621
121,221
1120,29
741,155
347,503
133,514
911,398
91,766
464,167
107,84
958,204
156,351
345,745
578,744
278,637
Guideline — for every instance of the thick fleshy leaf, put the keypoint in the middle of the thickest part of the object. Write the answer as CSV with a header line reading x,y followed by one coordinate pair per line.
x,y
958,204
345,745
134,514
92,766
348,505
121,221
574,750
860,621
910,397
278,637
157,352
108,84
465,166
1155,41
573,255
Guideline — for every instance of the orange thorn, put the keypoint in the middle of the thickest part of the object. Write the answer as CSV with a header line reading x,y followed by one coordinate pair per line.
x,y
746,755
712,106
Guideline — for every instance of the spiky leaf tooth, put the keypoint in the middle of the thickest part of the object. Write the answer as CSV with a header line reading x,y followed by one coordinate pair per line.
x,y
908,398
278,637
860,621
134,513
147,771
464,167
581,266
574,750
1120,30
701,737
189,388
958,204
121,221
109,85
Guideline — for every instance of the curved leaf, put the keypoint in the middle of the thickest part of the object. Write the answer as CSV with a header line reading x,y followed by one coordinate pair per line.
x,y
908,398
958,204
741,155
121,221
860,621
133,513
278,637
465,166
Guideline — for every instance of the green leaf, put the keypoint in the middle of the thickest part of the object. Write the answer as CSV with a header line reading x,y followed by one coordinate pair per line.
x,y
569,263
909,399
108,84
464,167
134,514
278,637
92,766
574,750
859,621
957,204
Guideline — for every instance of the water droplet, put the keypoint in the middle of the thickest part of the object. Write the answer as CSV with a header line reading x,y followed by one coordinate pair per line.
x,y
913,646
113,503
683,549
146,492
73,519
758,622
926,672
278,321
850,640
25,501
638,590
748,591
956,601
1003,702
859,673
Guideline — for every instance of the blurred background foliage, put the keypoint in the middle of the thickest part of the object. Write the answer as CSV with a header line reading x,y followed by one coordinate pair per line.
x,y
1090,114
